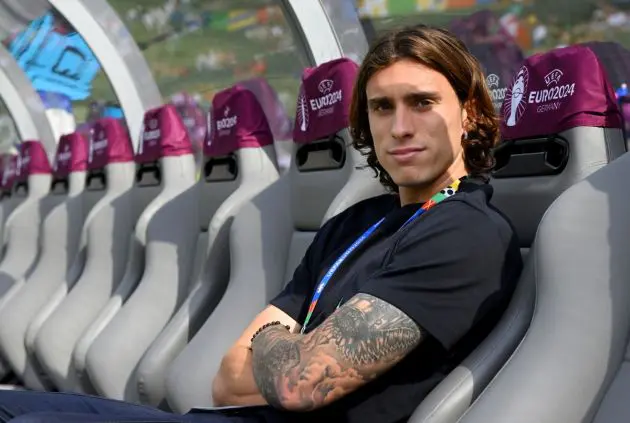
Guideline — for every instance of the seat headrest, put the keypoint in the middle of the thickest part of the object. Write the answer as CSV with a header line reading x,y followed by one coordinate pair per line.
x,y
164,135
556,91
9,167
277,116
323,104
71,155
109,143
238,122
193,117
32,160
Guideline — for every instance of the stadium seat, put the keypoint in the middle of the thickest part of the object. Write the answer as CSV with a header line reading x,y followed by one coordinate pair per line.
x,y
104,251
22,228
271,232
58,247
573,364
240,161
163,137
168,227
560,124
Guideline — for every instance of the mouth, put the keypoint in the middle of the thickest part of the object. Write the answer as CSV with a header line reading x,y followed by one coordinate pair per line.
x,y
406,153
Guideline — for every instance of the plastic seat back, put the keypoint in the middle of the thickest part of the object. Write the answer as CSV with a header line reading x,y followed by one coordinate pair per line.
x,y
239,162
22,228
169,228
560,124
59,246
272,231
102,257
572,366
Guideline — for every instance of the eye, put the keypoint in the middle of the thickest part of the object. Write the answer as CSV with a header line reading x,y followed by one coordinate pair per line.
x,y
380,107
423,103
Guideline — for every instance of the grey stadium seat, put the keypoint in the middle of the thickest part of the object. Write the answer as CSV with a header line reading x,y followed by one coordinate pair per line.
x,y
271,232
573,365
59,244
169,226
545,150
240,161
31,187
104,251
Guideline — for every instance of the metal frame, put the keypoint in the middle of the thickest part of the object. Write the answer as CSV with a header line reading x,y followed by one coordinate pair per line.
x,y
24,104
314,29
327,37
119,56
347,27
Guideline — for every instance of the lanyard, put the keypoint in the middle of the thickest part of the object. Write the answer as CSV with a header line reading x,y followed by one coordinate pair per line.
x,y
438,197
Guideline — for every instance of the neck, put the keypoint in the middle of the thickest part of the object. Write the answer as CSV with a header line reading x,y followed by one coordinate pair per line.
x,y
421,194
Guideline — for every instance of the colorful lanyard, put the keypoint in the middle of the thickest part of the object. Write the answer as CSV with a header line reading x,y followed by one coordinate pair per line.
x,y
445,193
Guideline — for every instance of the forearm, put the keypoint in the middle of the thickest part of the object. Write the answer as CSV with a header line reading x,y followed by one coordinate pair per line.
x,y
234,384
276,354
361,340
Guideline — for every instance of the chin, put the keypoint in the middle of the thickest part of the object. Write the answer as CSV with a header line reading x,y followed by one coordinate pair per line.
x,y
415,180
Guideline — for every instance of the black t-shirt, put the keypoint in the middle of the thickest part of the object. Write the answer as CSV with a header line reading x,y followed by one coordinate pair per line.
x,y
452,271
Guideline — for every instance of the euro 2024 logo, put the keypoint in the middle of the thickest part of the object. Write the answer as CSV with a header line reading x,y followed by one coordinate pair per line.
x,y
515,106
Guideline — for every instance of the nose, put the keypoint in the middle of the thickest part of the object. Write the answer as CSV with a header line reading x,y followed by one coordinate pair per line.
x,y
402,124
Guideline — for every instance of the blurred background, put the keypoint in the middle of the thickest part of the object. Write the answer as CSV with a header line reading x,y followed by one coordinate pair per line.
x,y
195,48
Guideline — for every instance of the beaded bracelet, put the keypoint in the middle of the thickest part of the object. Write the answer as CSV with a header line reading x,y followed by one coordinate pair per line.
x,y
265,326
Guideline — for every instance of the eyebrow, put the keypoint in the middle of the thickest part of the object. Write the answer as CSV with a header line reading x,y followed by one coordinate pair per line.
x,y
414,95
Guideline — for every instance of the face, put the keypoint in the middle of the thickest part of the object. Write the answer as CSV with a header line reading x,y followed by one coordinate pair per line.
x,y
417,124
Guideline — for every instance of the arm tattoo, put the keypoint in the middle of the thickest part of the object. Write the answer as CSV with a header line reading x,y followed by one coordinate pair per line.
x,y
359,342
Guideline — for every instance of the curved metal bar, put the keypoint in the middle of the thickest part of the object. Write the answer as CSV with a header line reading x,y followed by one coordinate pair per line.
x,y
346,24
24,104
330,29
315,30
119,55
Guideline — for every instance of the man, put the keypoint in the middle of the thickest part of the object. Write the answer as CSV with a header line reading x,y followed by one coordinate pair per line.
x,y
395,291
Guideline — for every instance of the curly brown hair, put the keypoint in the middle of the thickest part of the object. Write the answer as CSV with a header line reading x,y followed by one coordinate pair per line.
x,y
440,50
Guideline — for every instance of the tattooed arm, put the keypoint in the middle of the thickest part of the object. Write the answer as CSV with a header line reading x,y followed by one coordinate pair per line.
x,y
234,383
356,344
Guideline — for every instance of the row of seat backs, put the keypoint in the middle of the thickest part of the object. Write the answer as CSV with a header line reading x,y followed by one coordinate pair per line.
x,y
162,124
560,123
31,187
34,179
238,121
164,136
54,253
105,250
239,161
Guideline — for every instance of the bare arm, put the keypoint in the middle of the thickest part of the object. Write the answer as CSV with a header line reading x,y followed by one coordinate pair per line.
x,y
234,383
356,344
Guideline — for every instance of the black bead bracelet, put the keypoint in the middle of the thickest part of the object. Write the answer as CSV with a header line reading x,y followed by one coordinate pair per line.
x,y
265,326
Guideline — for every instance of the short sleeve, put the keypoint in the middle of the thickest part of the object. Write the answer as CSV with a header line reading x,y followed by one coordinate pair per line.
x,y
293,297
444,271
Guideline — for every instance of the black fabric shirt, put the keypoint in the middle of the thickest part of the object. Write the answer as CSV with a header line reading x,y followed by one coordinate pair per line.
x,y
452,271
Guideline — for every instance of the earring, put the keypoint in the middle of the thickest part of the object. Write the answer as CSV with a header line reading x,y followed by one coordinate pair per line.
x,y
465,136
